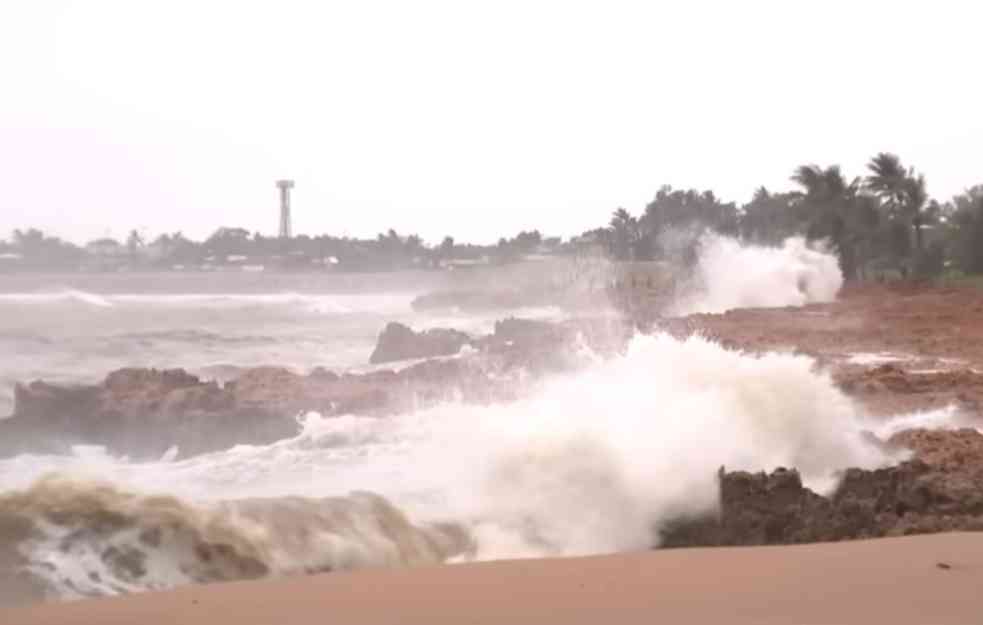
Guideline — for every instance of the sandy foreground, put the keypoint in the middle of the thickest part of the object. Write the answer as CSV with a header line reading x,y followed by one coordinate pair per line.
x,y
924,580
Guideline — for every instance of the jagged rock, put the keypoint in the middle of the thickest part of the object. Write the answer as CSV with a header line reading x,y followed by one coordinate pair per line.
x,y
399,342
536,345
940,490
952,450
145,412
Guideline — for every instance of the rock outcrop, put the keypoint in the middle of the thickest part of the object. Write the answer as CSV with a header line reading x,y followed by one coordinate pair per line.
x,y
145,412
941,489
399,342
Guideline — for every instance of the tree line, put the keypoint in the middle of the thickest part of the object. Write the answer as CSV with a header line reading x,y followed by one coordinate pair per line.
x,y
883,221
32,249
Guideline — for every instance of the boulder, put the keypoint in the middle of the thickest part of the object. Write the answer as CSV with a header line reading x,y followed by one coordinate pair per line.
x,y
399,342
144,412
941,489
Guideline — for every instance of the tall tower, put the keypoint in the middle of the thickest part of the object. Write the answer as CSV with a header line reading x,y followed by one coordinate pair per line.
x,y
285,186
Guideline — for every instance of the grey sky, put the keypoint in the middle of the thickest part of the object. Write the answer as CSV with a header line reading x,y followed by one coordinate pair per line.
x,y
464,118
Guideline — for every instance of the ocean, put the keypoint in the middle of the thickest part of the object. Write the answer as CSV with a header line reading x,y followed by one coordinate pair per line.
x,y
77,328
590,462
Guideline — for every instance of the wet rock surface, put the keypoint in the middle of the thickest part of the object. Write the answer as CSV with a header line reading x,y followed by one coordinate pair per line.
x,y
940,489
145,412
399,342
895,347
937,333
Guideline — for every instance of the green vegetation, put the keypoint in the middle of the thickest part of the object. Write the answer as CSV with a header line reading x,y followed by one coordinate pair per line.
x,y
881,224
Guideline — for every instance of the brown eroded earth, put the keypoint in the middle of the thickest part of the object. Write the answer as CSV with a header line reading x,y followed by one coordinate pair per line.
x,y
896,348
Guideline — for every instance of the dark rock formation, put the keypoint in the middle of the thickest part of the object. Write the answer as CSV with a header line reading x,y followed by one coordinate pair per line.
x,y
528,343
144,412
398,342
537,345
940,490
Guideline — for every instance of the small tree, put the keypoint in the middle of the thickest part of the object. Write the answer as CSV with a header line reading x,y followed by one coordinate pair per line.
x,y
833,209
624,234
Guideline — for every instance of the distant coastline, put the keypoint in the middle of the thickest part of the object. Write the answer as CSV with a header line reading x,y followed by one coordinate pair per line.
x,y
235,249
880,225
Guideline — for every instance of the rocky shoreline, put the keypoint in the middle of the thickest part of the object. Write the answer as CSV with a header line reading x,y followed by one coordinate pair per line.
x,y
939,490
145,412
919,352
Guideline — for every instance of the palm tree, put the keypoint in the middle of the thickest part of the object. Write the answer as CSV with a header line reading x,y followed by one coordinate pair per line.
x,y
827,204
827,185
916,197
901,191
887,180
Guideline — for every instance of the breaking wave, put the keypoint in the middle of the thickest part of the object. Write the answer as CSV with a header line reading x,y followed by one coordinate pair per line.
x,y
730,274
63,295
83,538
328,303
591,463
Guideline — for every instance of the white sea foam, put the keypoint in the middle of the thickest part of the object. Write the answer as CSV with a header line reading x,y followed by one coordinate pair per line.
x,y
335,303
590,463
947,418
61,295
730,274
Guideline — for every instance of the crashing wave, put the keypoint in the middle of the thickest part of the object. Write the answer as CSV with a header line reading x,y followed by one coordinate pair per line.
x,y
82,538
730,274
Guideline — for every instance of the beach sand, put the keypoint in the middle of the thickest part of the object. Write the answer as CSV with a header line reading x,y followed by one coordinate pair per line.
x,y
923,580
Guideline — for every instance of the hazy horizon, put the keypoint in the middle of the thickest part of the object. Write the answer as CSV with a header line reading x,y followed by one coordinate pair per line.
x,y
471,120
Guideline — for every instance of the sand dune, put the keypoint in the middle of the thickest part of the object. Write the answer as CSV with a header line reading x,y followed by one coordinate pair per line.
x,y
919,580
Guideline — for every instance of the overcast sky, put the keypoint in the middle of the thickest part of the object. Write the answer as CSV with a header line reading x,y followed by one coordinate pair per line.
x,y
463,118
